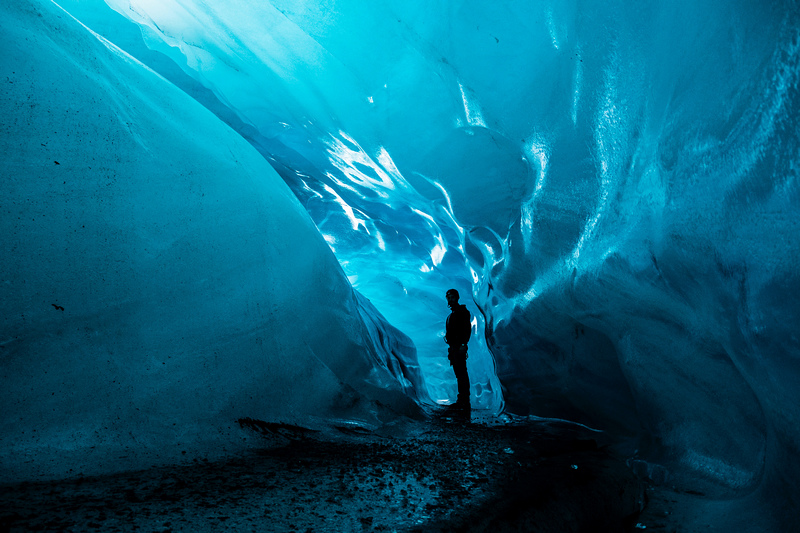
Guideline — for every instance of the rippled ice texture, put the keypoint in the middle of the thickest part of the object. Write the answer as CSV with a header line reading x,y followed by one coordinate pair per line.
x,y
615,183
321,112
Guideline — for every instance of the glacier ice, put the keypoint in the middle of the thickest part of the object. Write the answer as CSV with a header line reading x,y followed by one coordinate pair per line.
x,y
615,184
159,279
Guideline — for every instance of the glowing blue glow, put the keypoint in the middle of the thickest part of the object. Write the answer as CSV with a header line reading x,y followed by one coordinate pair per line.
x,y
472,111
612,189
538,150
347,157
551,27
355,222
437,254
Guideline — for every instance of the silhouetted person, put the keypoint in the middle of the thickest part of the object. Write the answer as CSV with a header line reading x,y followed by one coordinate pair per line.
x,y
458,331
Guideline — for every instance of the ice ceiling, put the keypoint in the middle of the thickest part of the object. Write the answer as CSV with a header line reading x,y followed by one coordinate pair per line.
x,y
614,184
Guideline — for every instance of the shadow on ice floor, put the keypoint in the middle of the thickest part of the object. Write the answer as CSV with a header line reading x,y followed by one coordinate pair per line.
x,y
441,474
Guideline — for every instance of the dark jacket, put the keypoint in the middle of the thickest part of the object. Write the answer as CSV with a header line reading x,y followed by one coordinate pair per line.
x,y
458,327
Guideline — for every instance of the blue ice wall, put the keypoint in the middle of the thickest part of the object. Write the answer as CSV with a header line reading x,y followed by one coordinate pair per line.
x,y
615,184
400,248
618,182
159,279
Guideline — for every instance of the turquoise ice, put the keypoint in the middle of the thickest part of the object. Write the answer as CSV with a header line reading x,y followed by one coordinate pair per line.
x,y
613,183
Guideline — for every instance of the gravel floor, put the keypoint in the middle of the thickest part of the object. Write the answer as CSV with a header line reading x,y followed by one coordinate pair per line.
x,y
443,474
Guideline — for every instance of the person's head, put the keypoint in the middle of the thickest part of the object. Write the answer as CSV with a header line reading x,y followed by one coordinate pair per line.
x,y
452,297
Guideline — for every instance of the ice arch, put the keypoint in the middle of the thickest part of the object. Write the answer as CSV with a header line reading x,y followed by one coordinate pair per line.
x,y
621,180
402,249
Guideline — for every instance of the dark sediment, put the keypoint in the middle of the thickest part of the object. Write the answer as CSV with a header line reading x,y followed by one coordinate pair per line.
x,y
444,474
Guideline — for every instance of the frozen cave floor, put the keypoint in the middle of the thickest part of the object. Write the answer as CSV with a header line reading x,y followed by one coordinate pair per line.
x,y
444,473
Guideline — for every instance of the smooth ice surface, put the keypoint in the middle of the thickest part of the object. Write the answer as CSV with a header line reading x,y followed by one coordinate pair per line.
x,y
159,279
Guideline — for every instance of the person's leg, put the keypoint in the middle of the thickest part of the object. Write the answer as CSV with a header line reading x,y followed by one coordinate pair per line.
x,y
460,369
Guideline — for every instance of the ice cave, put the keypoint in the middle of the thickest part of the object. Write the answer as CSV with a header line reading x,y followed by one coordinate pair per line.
x,y
250,210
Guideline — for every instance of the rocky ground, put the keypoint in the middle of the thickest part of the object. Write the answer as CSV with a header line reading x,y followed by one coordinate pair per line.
x,y
446,473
